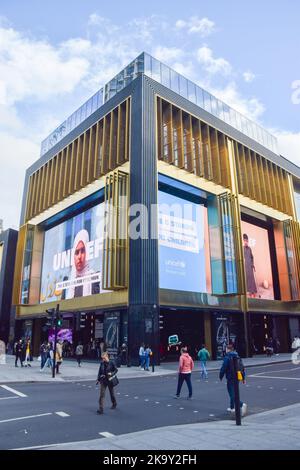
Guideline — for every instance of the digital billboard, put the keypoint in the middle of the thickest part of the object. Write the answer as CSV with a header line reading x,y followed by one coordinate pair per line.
x,y
257,261
183,245
72,257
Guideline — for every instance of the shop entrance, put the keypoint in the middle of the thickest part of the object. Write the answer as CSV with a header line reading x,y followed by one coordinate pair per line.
x,y
187,325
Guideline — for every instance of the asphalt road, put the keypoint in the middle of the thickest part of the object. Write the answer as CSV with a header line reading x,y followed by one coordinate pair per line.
x,y
143,403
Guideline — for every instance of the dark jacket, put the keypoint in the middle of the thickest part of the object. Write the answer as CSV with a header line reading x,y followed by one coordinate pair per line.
x,y
106,370
227,366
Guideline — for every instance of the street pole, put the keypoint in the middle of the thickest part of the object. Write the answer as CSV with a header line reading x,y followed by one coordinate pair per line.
x,y
55,340
236,392
153,338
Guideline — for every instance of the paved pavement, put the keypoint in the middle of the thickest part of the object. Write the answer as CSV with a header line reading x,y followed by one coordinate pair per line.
x,y
70,370
272,430
40,414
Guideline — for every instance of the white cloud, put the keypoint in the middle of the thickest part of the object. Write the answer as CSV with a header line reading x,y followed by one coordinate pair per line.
x,y
211,65
167,54
202,26
35,69
249,76
16,155
289,145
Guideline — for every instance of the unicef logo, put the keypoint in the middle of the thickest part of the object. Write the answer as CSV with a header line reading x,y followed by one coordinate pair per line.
x,y
296,357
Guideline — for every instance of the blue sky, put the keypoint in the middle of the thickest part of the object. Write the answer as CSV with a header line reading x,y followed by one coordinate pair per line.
x,y
54,55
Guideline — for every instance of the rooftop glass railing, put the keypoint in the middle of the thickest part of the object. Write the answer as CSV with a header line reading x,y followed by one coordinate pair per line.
x,y
163,74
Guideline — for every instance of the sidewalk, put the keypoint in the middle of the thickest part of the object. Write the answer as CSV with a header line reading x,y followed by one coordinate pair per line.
x,y
272,430
88,371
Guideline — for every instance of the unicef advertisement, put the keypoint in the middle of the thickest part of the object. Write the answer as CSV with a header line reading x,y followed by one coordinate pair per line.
x,y
182,257
72,257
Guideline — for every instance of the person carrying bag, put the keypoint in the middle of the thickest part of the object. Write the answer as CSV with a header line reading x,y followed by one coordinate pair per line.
x,y
107,377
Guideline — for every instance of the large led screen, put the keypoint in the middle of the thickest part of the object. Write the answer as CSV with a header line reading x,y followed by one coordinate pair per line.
x,y
183,245
257,262
72,257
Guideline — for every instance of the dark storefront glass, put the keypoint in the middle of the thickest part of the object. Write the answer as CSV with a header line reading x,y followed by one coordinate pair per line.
x,y
226,328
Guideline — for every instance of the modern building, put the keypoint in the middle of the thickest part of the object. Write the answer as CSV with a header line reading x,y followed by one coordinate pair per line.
x,y
8,246
209,208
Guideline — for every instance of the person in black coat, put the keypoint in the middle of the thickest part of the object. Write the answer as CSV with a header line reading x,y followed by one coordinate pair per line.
x,y
19,352
107,370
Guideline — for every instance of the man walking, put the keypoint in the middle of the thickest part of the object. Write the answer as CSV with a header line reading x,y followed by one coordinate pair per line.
x,y
79,353
106,376
186,365
228,370
19,352
203,356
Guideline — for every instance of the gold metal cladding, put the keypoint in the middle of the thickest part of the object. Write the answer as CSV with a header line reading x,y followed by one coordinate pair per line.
x,y
191,144
292,240
115,243
18,272
98,150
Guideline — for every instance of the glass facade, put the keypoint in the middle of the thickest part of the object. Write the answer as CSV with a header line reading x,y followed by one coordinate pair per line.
x,y
163,74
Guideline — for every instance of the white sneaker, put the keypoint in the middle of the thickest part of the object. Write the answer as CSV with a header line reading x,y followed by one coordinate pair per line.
x,y
244,409
232,410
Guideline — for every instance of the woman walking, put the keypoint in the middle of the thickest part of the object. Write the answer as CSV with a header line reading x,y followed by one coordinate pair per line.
x,y
186,365
108,379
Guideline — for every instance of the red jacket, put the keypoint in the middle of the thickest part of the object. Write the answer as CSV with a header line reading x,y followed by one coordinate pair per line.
x,y
186,364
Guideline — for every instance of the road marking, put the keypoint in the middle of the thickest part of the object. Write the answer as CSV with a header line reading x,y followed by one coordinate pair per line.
x,y
106,434
126,395
181,408
195,411
270,377
169,405
276,371
8,398
136,398
12,390
62,414
157,402
146,399
25,417
211,416
271,388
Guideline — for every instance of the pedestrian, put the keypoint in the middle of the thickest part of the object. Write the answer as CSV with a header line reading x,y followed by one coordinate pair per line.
x,y
43,354
58,356
269,347
124,354
228,370
203,356
142,355
49,360
186,365
19,352
27,353
295,343
107,377
79,353
148,354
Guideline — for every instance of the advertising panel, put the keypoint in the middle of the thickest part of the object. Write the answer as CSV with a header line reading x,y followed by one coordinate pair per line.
x,y
257,262
183,244
72,257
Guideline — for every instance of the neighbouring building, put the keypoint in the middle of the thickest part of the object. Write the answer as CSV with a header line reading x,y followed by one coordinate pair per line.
x,y
8,246
212,211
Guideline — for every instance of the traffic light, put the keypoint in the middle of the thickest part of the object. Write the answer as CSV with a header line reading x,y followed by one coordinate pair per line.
x,y
50,317
59,320
161,322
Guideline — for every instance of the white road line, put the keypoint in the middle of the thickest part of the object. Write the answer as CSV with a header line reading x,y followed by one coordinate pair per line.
x,y
62,414
269,377
25,417
157,402
276,371
169,405
12,390
211,416
8,398
195,411
106,434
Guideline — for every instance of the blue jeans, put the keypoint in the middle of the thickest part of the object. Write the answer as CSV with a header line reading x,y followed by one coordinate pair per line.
x,y
181,379
230,388
142,361
147,362
204,374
